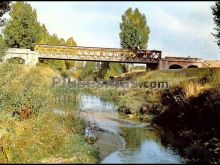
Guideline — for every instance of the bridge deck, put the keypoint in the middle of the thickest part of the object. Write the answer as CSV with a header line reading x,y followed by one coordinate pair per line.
x,y
97,54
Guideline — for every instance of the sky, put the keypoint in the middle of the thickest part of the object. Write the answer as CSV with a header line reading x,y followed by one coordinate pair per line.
x,y
176,28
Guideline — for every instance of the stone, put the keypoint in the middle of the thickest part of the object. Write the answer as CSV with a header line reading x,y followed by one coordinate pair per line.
x,y
90,136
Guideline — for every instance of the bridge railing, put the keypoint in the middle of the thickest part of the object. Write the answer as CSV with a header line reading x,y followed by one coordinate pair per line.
x,y
95,53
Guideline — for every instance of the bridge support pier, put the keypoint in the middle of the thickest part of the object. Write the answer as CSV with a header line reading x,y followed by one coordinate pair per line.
x,y
153,66
29,57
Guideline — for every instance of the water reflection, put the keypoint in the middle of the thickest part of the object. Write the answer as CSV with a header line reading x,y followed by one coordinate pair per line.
x,y
93,103
135,137
143,142
143,145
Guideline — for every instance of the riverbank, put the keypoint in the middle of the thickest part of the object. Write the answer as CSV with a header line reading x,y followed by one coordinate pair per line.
x,y
29,131
189,109
107,143
142,143
102,139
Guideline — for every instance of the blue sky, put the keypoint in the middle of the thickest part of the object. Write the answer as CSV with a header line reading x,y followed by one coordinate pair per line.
x,y
177,28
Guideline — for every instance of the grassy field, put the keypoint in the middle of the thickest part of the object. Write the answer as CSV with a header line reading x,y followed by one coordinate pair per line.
x,y
41,136
193,81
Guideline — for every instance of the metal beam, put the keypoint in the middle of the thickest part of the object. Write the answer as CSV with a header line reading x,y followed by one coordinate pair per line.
x,y
97,54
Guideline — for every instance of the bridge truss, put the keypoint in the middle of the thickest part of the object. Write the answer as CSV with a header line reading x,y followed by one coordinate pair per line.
x,y
97,54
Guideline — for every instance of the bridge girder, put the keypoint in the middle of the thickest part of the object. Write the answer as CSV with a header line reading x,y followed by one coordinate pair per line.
x,y
97,54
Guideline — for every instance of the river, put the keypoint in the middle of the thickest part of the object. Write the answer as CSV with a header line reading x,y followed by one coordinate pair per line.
x,y
142,140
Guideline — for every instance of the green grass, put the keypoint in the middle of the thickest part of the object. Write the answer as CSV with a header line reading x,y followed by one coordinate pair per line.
x,y
45,136
175,77
193,81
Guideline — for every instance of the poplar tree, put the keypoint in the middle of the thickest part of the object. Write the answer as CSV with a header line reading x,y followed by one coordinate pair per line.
x,y
216,14
134,30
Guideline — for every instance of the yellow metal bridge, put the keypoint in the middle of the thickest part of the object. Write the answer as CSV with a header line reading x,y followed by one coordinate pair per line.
x,y
98,54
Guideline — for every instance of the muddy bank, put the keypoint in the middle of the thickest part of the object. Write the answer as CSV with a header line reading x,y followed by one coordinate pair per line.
x,y
108,142
194,122
105,141
102,139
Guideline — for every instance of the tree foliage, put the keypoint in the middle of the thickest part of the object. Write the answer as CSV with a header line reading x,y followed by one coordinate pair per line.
x,y
46,38
4,7
22,29
87,72
216,14
103,69
115,69
70,42
134,30
108,69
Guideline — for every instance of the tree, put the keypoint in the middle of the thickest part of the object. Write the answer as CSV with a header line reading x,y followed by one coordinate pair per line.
x,y
53,40
43,36
103,70
134,30
46,38
4,7
87,72
22,30
216,14
70,42
115,69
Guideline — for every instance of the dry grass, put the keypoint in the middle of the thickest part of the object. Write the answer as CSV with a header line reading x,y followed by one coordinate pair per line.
x,y
193,81
193,89
45,137
189,79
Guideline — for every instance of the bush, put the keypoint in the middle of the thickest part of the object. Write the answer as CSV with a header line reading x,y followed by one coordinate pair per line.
x,y
22,85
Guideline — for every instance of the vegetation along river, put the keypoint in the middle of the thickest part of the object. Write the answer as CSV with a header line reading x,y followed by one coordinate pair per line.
x,y
142,142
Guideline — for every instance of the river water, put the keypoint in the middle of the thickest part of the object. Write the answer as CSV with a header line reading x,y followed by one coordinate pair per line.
x,y
142,140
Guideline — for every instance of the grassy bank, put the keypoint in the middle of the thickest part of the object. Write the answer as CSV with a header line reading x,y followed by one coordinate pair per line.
x,y
188,108
192,81
29,131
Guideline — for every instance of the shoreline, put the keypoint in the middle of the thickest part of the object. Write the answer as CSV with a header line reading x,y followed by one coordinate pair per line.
x,y
105,147
104,140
